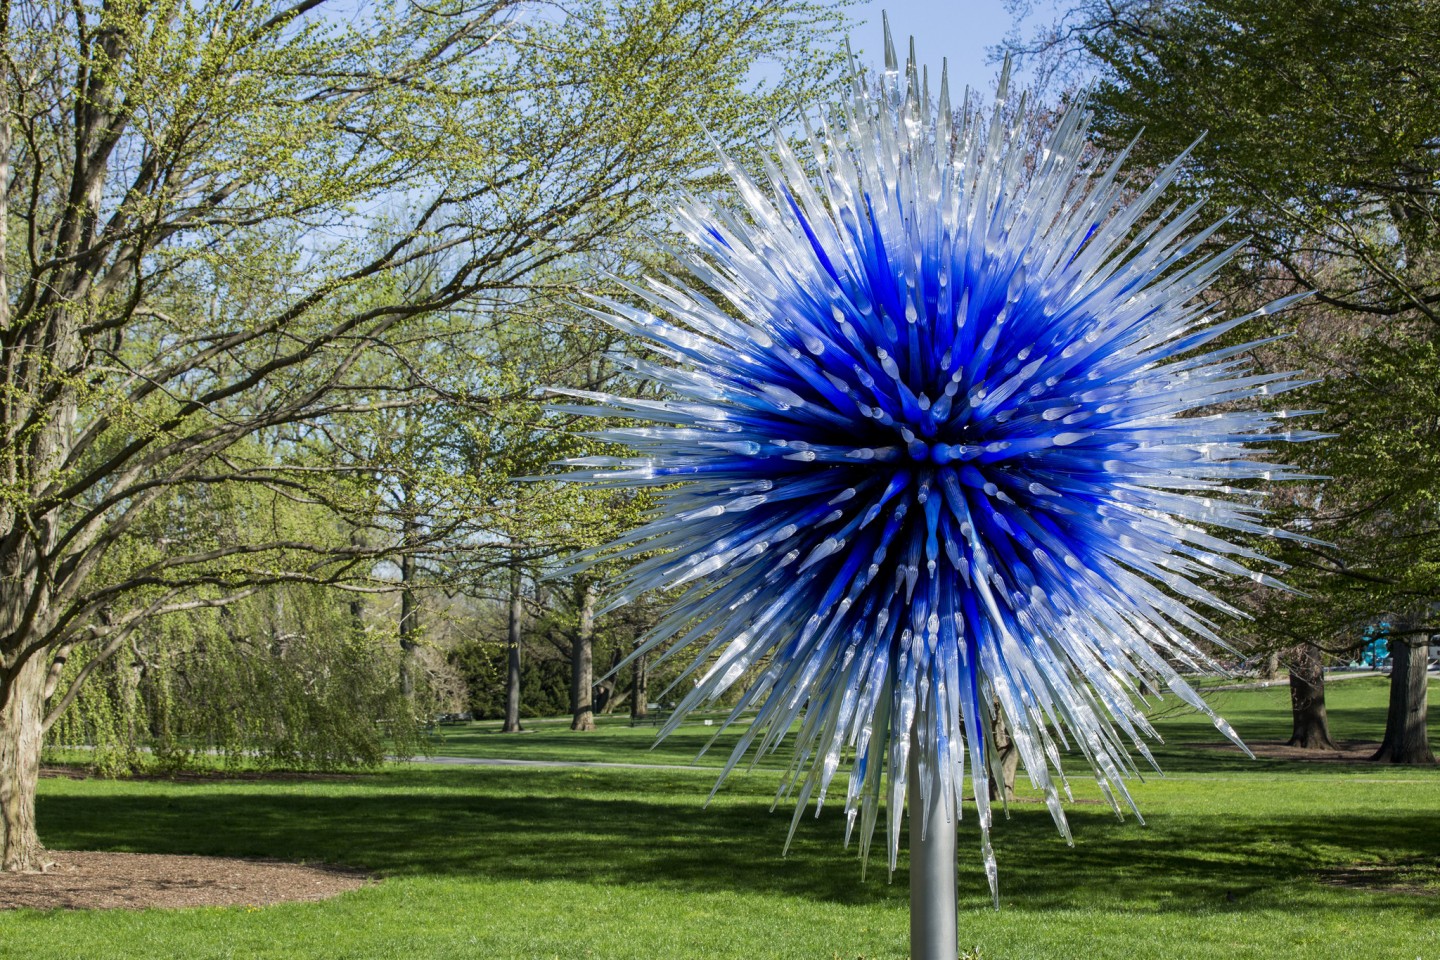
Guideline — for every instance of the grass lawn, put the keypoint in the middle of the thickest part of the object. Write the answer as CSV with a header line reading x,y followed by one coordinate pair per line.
x,y
516,862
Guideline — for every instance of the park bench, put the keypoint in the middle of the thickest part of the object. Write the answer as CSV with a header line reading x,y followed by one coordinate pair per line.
x,y
655,716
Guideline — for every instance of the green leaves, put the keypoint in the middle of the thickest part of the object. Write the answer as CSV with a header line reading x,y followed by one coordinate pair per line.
x,y
1321,126
279,278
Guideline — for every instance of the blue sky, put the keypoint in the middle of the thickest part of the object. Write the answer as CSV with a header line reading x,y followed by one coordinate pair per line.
x,y
957,30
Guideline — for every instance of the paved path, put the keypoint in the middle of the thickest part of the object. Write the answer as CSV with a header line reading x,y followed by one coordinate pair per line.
x,y
1285,681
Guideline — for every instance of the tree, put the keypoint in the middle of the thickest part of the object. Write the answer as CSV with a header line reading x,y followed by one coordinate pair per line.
x,y
274,680
1407,736
1322,133
1310,721
184,267
582,679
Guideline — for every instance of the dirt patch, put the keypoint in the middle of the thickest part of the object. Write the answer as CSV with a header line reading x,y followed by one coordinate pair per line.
x,y
1348,751
52,772
85,880
1416,876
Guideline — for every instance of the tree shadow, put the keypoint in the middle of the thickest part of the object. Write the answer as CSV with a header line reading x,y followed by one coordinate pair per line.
x,y
1190,862
615,827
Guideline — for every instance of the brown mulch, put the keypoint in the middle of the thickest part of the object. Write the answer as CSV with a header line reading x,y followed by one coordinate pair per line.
x,y
1350,751
85,880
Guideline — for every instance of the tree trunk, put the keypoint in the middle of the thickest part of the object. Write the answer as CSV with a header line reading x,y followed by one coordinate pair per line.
x,y
582,666
1310,727
22,713
639,688
1407,737
1271,668
357,615
512,660
357,602
6,136
1007,753
409,606
608,695
409,625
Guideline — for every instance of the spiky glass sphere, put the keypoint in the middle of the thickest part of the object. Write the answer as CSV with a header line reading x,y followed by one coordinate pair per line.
x,y
931,446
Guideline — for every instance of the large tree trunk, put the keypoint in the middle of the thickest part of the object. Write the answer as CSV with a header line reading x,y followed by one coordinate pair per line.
x,y
22,713
1310,727
639,688
512,659
1407,737
582,666
25,618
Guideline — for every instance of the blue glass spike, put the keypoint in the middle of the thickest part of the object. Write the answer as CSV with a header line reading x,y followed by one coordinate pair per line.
x,y
931,443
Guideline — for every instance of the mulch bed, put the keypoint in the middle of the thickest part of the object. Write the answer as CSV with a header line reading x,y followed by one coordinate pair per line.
x,y
87,880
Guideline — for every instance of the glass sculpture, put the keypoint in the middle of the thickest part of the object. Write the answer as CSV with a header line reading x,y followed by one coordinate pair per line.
x,y
928,428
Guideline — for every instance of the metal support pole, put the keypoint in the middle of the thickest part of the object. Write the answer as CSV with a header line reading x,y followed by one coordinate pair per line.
x,y
932,872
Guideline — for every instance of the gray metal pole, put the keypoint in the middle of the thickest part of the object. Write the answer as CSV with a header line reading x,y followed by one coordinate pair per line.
x,y
932,873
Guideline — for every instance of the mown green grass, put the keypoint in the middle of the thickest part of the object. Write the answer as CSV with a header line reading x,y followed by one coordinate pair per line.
x,y
507,862
1357,713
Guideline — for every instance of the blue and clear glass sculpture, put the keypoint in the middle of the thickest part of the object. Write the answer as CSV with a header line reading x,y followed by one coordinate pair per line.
x,y
933,437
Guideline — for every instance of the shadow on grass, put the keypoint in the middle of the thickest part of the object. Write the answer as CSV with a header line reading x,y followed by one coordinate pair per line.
x,y
633,828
